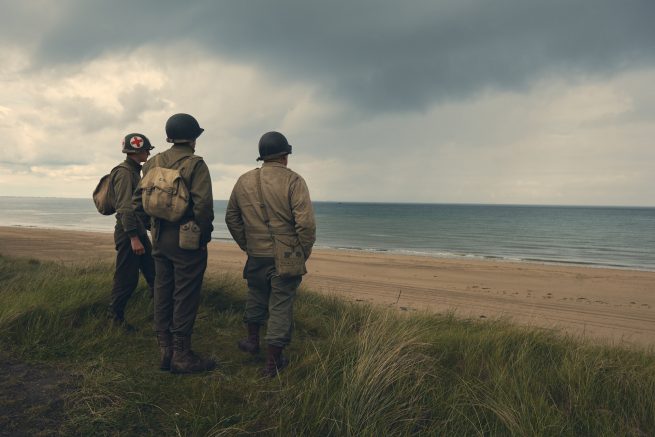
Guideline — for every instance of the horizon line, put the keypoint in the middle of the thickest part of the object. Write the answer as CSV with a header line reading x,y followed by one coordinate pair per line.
x,y
373,202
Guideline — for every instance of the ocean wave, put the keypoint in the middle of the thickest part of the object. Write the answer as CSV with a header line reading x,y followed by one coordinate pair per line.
x,y
499,258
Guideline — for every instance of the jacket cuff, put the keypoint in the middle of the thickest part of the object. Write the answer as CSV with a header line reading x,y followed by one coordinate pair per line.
x,y
205,238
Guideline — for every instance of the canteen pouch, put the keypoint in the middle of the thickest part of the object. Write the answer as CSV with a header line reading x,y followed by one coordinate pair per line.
x,y
190,236
289,256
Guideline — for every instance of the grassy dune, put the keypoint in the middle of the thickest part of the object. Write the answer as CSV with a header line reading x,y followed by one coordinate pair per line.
x,y
356,370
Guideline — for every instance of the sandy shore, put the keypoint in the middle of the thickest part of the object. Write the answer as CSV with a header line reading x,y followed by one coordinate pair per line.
x,y
608,304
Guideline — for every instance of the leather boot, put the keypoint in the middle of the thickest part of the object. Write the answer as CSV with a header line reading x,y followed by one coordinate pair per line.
x,y
165,341
275,361
185,360
118,321
250,344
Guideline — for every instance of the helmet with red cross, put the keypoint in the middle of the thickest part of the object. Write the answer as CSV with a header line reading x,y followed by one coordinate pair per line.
x,y
136,143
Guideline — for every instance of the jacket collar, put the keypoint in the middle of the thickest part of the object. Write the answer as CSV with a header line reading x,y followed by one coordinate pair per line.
x,y
133,164
273,164
183,148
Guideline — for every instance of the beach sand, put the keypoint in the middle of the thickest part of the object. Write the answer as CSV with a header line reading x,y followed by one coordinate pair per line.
x,y
609,305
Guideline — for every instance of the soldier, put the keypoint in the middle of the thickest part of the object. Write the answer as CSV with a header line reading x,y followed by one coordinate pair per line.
x,y
133,248
270,216
180,271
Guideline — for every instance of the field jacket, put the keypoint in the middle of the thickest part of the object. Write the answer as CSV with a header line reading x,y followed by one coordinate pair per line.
x,y
289,208
125,179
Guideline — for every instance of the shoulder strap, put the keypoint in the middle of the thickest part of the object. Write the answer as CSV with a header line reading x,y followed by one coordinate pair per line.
x,y
121,165
112,173
183,159
262,202
135,177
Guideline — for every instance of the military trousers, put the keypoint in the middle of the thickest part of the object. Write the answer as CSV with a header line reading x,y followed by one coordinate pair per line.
x,y
270,298
178,281
126,276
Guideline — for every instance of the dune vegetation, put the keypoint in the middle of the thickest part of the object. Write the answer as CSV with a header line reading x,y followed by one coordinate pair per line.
x,y
355,369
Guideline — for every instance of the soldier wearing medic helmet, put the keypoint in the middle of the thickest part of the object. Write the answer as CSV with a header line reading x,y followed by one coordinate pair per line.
x,y
269,209
133,248
180,271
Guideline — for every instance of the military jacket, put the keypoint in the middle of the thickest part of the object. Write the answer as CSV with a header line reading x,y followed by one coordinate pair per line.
x,y
196,176
125,179
289,208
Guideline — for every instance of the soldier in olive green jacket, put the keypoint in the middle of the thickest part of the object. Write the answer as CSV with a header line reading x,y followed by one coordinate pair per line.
x,y
285,211
133,249
180,271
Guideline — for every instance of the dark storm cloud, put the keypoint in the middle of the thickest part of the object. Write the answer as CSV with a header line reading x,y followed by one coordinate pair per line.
x,y
379,55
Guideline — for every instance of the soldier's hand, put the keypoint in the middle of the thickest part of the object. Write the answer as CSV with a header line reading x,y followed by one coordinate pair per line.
x,y
137,246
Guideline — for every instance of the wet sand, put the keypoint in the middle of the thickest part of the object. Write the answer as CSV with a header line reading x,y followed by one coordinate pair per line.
x,y
604,304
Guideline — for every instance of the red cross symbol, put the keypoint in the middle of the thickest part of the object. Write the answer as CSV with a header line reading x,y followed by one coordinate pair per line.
x,y
136,142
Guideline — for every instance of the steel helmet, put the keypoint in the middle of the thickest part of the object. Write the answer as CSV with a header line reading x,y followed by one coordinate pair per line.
x,y
182,128
272,145
136,143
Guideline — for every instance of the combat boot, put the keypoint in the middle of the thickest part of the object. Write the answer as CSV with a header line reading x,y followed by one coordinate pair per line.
x,y
250,344
185,360
275,361
117,320
165,341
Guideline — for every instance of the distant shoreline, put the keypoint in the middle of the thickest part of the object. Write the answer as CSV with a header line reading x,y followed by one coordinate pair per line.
x,y
396,252
399,252
618,238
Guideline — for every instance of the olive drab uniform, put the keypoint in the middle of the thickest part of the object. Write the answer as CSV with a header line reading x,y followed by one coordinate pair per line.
x,y
125,179
290,213
180,271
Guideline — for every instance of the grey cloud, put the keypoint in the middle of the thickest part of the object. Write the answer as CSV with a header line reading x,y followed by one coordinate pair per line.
x,y
137,101
84,113
378,55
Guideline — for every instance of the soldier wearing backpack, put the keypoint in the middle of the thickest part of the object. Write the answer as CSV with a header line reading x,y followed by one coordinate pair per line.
x,y
133,248
176,192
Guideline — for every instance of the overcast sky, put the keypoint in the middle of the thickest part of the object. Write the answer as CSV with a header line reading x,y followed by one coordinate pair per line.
x,y
458,101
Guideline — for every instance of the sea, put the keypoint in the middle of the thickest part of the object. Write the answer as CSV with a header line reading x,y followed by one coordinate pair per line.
x,y
615,237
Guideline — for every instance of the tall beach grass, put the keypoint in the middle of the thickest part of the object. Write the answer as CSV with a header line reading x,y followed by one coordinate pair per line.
x,y
356,370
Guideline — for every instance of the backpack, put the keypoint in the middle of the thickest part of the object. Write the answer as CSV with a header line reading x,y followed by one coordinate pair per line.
x,y
164,192
103,195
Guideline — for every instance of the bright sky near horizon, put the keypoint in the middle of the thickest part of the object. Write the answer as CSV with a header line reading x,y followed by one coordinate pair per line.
x,y
455,101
